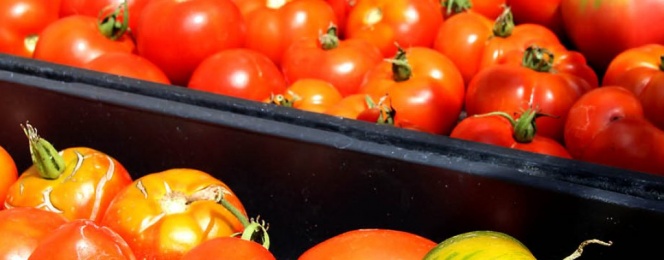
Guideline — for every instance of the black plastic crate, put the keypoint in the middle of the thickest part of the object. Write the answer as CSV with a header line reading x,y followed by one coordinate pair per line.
x,y
313,176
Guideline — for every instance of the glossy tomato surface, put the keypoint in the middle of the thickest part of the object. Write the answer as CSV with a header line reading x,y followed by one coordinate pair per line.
x,y
22,229
20,19
228,248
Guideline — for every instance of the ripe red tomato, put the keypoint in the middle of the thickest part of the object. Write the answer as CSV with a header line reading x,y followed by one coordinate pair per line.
x,y
502,129
408,23
272,26
128,65
542,12
423,86
242,73
22,229
163,215
348,107
489,8
535,82
8,174
76,40
307,94
367,244
641,70
607,126
341,8
602,29
178,35
473,42
95,7
340,62
20,19
77,182
228,248
82,239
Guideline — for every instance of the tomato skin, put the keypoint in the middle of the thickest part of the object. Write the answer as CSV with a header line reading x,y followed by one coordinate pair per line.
x,y
344,66
8,174
313,95
408,23
128,65
178,35
76,40
94,7
603,29
607,126
341,9
82,239
22,229
543,12
228,248
640,70
497,130
348,107
21,18
366,244
271,30
239,72
155,219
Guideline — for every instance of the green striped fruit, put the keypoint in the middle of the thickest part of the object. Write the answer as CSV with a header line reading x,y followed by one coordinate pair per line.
x,y
484,245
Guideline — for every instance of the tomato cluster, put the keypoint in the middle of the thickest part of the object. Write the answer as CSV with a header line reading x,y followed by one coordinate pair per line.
x,y
529,75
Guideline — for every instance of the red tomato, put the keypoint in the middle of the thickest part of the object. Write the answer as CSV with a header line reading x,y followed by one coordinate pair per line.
x,y
128,65
368,244
341,8
76,40
77,182
163,215
641,70
20,19
348,107
8,174
423,87
502,130
177,35
22,229
542,12
607,126
474,42
534,83
408,23
312,95
489,8
228,248
242,73
340,62
602,29
95,7
81,240
273,25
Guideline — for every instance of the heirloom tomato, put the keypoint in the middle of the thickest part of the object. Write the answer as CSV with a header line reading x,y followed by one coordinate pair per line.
x,y
607,126
229,248
489,8
340,62
601,29
8,174
163,215
501,129
473,42
177,35
82,239
408,23
641,70
542,12
127,65
423,87
272,26
95,7
482,244
77,39
77,182
22,229
348,107
367,244
238,72
307,94
21,21
536,81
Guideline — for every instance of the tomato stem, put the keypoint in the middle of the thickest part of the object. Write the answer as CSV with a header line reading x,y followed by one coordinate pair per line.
x,y
524,128
330,39
661,63
538,59
49,163
577,253
453,7
401,69
504,24
109,25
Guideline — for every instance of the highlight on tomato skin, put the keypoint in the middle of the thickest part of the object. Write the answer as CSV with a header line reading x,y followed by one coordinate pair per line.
x,y
22,229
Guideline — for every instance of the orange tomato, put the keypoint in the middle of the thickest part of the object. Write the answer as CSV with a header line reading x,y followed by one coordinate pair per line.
x,y
8,174
308,94
349,106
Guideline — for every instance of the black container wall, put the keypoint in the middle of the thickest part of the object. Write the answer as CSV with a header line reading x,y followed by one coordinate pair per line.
x,y
313,177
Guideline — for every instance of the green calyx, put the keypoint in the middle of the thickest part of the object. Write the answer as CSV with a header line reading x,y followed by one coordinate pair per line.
x,y
538,59
524,128
401,69
110,26
330,39
387,113
50,164
453,7
504,24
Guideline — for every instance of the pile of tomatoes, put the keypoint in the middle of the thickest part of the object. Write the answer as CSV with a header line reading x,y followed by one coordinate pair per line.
x,y
567,78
